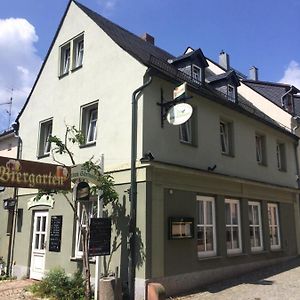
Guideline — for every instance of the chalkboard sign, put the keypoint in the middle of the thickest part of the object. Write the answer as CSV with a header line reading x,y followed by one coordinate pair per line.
x,y
55,233
100,234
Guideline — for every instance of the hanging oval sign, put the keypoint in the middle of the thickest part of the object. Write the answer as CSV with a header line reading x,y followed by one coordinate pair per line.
x,y
179,113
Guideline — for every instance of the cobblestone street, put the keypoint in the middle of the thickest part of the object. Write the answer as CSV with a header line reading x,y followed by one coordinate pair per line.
x,y
280,282
15,290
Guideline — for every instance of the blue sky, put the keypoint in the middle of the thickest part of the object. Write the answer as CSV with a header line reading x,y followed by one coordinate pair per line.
x,y
263,33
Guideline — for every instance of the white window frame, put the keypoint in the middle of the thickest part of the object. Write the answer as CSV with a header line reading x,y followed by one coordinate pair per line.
x,y
224,137
65,60
196,73
89,121
232,202
205,200
231,96
81,214
274,225
78,48
44,146
251,205
185,132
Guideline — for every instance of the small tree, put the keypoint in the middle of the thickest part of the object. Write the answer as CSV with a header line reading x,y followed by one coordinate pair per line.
x,y
106,183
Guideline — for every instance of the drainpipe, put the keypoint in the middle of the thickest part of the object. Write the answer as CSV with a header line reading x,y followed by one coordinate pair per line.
x,y
12,235
133,191
282,97
296,145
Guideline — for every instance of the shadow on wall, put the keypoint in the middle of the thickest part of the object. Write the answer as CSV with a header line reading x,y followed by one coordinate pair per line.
x,y
120,222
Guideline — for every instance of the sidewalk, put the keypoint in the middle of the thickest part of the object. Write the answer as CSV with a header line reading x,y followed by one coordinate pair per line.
x,y
280,282
15,290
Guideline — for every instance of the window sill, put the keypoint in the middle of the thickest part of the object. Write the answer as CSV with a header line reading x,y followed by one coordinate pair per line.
x,y
63,75
236,254
227,154
78,259
205,258
258,252
43,155
87,145
76,68
191,144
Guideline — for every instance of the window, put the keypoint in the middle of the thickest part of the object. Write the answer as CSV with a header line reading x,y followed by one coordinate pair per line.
x,y
260,149
45,132
280,155
78,52
206,227
255,226
89,122
274,226
185,132
85,211
65,59
196,73
226,138
288,103
231,93
71,55
233,226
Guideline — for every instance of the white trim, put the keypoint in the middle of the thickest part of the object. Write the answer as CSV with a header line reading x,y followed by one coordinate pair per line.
x,y
231,225
259,225
205,200
277,225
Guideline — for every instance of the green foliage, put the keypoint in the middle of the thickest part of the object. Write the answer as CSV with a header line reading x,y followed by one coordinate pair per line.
x,y
57,285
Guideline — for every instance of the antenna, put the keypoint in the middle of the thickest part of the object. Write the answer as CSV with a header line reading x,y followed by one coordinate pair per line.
x,y
10,106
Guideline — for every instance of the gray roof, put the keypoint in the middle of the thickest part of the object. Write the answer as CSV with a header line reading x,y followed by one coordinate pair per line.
x,y
226,75
270,90
134,45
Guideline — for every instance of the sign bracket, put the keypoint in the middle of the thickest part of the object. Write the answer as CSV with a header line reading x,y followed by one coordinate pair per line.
x,y
166,105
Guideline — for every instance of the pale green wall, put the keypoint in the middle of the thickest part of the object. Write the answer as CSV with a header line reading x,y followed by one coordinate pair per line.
x,y
165,146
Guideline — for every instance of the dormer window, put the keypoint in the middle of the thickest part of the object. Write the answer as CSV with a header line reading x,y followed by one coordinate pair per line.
x,y
196,73
231,93
288,103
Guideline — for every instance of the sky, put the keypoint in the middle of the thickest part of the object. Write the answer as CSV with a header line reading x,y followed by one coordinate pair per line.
x,y
263,33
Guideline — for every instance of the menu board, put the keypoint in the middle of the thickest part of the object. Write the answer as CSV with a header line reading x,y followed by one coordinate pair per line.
x,y
55,233
100,234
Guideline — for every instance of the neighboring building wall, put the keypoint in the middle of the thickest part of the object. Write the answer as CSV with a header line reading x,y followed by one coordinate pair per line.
x,y
206,150
174,192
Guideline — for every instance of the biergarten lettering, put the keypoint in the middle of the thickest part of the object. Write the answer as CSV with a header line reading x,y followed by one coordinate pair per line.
x,y
22,173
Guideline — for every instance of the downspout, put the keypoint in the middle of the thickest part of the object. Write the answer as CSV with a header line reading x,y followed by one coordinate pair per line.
x,y
282,97
12,236
296,145
133,191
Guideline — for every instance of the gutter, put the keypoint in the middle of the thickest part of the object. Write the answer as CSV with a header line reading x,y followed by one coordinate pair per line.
x,y
282,100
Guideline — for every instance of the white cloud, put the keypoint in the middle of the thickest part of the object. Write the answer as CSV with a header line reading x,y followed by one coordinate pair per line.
x,y
107,5
19,64
292,74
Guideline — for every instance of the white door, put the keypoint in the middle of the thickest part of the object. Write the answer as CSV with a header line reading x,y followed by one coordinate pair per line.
x,y
39,239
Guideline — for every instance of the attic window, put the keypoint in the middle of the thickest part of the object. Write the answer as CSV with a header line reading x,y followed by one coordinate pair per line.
x,y
231,93
196,73
288,103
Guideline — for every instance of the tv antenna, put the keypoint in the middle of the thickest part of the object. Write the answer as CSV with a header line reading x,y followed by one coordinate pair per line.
x,y
8,111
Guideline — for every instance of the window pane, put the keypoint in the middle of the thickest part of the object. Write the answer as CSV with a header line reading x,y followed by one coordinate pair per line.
x,y
257,237
200,235
37,239
209,213
44,224
42,241
234,213
38,223
255,215
228,238
201,212
252,242
209,239
235,238
186,131
227,213
250,213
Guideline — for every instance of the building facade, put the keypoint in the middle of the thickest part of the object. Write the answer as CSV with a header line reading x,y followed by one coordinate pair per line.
x,y
216,196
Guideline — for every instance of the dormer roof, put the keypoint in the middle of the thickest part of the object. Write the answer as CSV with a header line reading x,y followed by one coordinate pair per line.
x,y
195,56
227,76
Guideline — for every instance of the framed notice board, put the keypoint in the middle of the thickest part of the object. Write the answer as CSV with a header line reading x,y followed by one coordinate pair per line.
x,y
100,234
55,233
